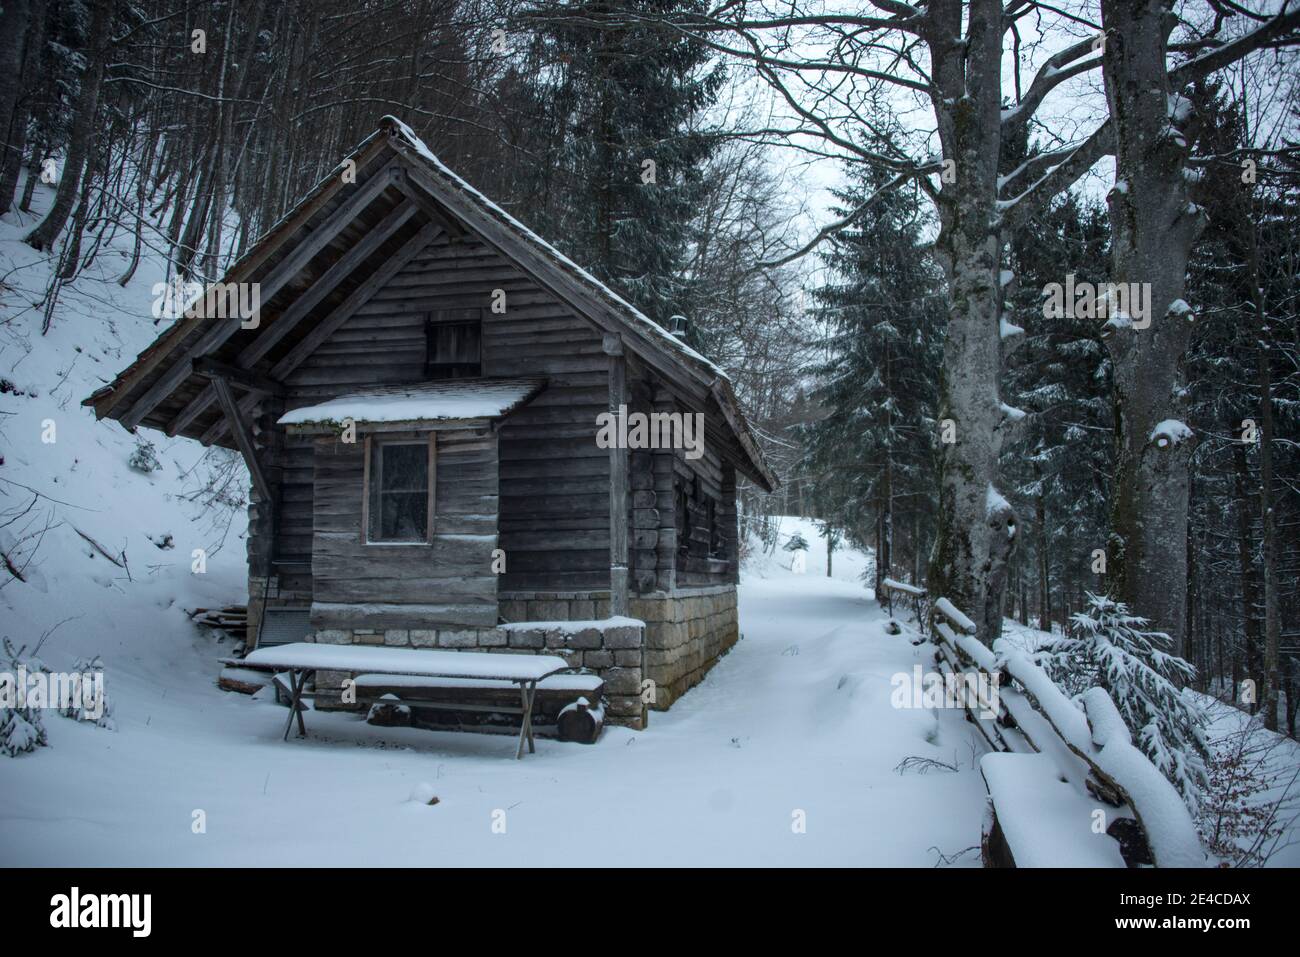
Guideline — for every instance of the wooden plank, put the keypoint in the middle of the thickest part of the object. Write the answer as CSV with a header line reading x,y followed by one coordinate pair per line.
x,y
564,285
243,438
261,251
287,268
251,381
365,492
431,209
289,319
340,314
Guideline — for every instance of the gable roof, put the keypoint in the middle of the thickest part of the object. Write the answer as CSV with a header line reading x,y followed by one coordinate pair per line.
x,y
350,239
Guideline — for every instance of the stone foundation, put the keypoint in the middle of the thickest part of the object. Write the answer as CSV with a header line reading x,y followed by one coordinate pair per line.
x,y
686,634
672,640
611,647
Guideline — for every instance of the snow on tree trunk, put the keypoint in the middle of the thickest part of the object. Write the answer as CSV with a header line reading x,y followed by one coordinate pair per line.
x,y
975,541
1153,226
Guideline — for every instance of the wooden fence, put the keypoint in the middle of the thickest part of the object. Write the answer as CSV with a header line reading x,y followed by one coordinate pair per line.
x,y
1043,743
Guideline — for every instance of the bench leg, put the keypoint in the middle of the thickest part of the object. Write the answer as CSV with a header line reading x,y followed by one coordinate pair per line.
x,y
297,681
526,692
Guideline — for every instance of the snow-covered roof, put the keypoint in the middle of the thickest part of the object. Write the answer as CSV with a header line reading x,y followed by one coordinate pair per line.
x,y
643,323
442,400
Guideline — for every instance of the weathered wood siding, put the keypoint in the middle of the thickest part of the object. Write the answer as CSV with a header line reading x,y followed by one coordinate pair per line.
x,y
554,522
444,584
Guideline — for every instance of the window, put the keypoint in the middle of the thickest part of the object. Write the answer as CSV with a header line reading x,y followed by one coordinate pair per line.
x,y
717,543
683,515
399,490
454,345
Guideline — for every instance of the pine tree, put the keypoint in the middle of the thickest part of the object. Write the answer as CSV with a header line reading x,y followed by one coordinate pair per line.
x,y
21,726
1109,648
1060,455
624,104
870,458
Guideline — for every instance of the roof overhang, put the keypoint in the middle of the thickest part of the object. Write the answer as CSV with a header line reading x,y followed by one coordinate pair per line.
x,y
444,404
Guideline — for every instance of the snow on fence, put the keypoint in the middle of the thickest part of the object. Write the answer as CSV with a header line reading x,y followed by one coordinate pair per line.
x,y
1089,744
912,595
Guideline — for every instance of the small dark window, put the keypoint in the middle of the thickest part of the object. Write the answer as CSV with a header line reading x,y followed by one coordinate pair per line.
x,y
399,492
454,345
717,544
683,509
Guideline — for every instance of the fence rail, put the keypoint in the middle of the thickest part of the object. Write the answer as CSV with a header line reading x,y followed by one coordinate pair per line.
x,y
1088,745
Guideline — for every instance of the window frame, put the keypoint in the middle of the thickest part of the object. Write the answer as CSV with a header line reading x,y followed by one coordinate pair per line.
x,y
468,318
371,444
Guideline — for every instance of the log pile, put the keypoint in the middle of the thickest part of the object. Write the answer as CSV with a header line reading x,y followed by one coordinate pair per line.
x,y
232,619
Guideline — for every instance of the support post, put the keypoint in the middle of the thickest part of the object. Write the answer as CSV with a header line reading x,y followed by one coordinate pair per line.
x,y
618,482
243,437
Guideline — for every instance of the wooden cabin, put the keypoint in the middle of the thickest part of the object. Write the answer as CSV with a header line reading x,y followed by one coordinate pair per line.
x,y
419,398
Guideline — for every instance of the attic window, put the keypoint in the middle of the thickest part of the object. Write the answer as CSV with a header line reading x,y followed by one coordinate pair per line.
x,y
399,490
454,345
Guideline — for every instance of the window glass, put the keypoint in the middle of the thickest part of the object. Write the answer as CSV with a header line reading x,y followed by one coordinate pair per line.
x,y
399,492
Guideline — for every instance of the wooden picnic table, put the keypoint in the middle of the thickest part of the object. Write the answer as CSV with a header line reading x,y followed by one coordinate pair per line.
x,y
302,659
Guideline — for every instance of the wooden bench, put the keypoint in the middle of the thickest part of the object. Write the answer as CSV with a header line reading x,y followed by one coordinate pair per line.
x,y
554,698
301,660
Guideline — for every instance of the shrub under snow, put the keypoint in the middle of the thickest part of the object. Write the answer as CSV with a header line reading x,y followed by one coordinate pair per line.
x,y
21,728
1110,648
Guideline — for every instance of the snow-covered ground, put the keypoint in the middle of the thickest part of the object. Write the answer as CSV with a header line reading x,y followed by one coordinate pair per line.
x,y
796,719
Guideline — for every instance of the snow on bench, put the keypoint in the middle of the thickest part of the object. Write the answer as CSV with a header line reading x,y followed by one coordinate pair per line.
x,y
576,683
427,663
302,657
1045,821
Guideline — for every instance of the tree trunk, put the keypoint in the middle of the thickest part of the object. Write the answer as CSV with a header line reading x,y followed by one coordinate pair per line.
x,y
1044,558
18,85
977,527
1153,225
1249,578
83,122
1272,625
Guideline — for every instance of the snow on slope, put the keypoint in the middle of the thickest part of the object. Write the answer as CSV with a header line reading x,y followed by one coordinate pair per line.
x,y
73,473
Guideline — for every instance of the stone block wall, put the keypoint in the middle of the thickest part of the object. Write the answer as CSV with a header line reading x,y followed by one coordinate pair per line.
x,y
686,634
610,647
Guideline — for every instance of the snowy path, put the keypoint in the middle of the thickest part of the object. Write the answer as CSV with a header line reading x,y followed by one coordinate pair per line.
x,y
714,781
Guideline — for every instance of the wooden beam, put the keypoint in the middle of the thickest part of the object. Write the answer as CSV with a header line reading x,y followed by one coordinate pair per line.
x,y
243,438
618,482
341,313
301,306
290,266
252,260
250,381
431,209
